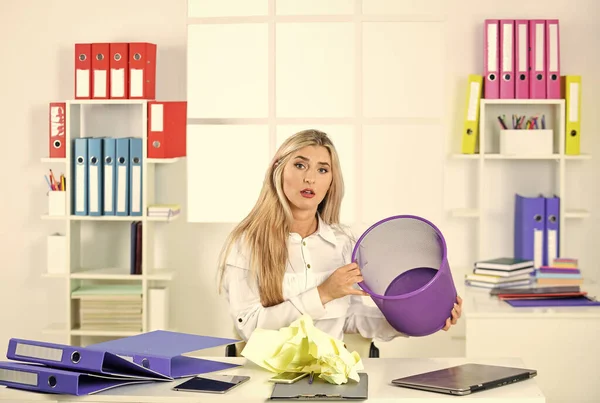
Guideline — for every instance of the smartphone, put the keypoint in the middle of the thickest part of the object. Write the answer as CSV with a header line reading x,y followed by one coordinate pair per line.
x,y
288,377
211,384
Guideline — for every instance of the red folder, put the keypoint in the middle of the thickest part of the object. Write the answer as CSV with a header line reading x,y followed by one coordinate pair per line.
x,y
83,70
57,130
537,59
552,60
491,62
119,71
507,59
521,59
100,67
167,127
142,70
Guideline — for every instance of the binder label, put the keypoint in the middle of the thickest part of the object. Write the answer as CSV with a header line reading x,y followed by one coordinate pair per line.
x,y
99,83
473,100
137,83
574,101
117,82
522,48
46,353
492,37
83,83
22,377
156,122
539,47
538,248
553,56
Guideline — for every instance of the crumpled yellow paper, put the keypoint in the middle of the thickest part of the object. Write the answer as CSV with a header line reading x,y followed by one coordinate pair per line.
x,y
301,347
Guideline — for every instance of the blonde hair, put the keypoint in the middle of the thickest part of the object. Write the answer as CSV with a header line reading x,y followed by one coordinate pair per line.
x,y
264,231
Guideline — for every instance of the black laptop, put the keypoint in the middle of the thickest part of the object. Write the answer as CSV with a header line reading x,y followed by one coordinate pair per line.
x,y
465,379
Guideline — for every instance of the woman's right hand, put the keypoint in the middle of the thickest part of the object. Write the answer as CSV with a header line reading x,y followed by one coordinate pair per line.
x,y
340,283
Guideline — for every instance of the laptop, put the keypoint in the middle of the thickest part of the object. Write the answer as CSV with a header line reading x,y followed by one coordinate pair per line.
x,y
322,390
465,379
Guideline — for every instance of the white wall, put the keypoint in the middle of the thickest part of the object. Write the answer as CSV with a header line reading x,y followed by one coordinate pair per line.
x,y
39,38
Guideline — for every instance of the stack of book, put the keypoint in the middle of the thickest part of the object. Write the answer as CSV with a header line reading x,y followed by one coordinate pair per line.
x,y
501,272
562,271
164,210
109,307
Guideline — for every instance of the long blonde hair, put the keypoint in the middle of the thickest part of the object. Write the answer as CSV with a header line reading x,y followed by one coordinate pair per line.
x,y
264,231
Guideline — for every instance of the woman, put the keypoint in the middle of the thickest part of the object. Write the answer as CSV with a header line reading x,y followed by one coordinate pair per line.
x,y
290,256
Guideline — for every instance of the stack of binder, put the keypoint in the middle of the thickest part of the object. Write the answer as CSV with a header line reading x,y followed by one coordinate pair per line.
x,y
521,59
537,229
107,176
62,369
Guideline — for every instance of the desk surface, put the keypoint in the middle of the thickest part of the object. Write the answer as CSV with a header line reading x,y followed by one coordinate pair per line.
x,y
381,371
478,303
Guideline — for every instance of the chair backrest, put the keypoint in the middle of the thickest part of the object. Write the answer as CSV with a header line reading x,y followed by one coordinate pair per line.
x,y
353,342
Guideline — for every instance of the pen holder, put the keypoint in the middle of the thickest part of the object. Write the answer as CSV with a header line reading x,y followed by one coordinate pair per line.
x,y
57,202
526,142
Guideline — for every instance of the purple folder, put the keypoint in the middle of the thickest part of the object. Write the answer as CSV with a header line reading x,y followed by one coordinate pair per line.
x,y
161,351
39,378
79,359
553,302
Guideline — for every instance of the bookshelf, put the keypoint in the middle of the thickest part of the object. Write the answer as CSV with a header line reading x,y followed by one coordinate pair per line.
x,y
75,273
492,167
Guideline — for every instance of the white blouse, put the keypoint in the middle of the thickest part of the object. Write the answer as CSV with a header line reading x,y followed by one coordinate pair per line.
x,y
311,261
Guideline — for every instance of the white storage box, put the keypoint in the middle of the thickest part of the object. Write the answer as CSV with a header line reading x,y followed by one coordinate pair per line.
x,y
526,142
56,254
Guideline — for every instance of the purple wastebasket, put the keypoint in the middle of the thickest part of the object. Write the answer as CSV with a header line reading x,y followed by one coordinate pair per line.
x,y
404,264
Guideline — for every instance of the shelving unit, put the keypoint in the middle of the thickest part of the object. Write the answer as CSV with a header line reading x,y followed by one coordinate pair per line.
x,y
489,157
75,275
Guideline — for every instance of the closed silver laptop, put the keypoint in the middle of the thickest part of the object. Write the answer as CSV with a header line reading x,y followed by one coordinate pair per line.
x,y
465,379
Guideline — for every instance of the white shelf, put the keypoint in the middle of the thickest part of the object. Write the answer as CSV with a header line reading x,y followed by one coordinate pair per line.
x,y
491,167
108,101
521,157
163,160
577,214
148,160
103,333
75,127
522,101
56,328
121,274
109,218
493,156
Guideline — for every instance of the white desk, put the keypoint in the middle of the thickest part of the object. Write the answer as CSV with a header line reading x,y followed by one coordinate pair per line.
x,y
561,343
381,371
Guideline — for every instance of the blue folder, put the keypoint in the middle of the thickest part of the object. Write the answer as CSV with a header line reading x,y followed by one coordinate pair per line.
x,y
529,229
95,177
109,166
552,230
135,176
80,359
161,351
80,176
122,177
39,378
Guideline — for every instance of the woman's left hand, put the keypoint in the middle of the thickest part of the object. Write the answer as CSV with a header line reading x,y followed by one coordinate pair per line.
x,y
456,312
